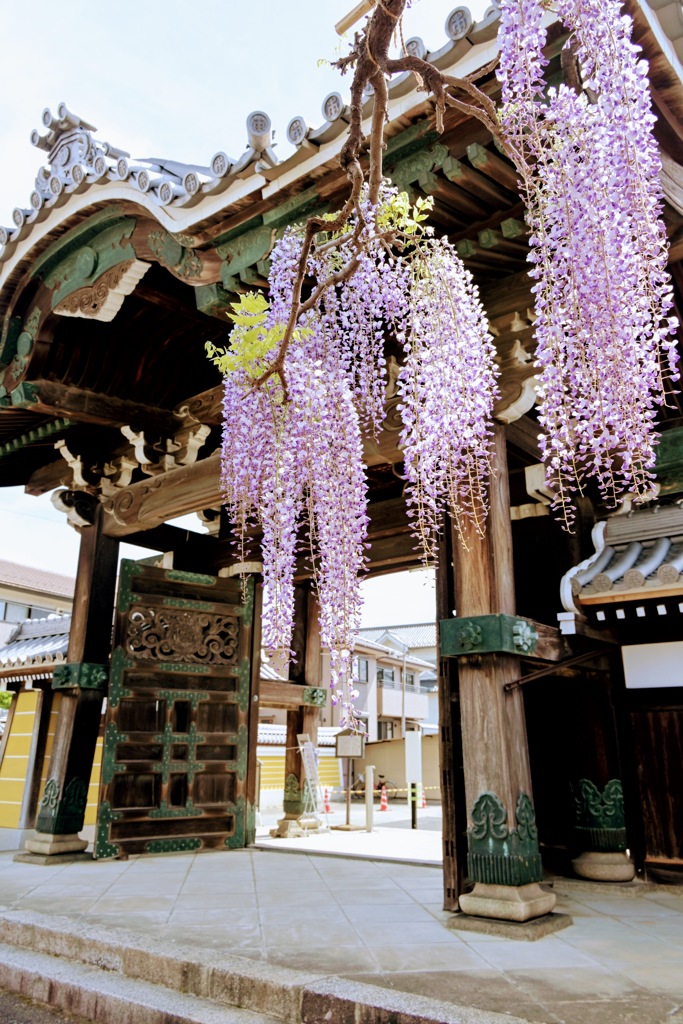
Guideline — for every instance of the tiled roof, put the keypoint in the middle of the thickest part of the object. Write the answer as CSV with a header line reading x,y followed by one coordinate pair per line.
x,y
267,672
637,555
276,735
78,162
37,642
417,634
12,574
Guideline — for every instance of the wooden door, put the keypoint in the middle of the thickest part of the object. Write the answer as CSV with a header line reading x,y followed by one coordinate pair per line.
x,y
178,767
657,717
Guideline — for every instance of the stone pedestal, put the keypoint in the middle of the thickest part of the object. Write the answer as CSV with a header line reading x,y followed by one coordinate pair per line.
x,y
604,867
49,845
294,826
508,902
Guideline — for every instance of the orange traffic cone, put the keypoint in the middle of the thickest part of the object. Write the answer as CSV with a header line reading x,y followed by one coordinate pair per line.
x,y
424,797
383,802
326,800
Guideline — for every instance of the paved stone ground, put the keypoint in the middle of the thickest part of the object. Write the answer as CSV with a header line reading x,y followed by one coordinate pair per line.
x,y
381,922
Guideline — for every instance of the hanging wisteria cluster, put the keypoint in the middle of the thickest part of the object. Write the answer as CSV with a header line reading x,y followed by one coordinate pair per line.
x,y
448,385
590,169
305,374
292,453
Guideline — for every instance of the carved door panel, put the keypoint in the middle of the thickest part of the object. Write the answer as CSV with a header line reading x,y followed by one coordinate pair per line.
x,y
178,767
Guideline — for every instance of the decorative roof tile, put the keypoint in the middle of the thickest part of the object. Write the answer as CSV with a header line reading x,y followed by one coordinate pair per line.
x,y
270,734
79,162
37,642
637,555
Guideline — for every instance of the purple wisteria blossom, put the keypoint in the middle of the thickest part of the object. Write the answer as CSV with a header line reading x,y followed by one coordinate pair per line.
x,y
590,169
448,385
294,468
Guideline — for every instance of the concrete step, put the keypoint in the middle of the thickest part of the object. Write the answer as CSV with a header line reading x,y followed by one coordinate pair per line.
x,y
111,976
108,997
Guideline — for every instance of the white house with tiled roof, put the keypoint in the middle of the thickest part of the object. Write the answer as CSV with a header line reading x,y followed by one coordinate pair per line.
x,y
391,698
30,593
419,638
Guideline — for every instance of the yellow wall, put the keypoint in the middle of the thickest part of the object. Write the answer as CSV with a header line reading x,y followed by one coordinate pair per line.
x,y
388,757
15,762
94,786
273,770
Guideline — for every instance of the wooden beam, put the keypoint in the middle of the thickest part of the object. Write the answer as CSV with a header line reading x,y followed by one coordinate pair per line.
x,y
169,303
53,474
523,434
451,196
478,184
494,221
168,537
276,694
56,399
509,295
494,167
153,501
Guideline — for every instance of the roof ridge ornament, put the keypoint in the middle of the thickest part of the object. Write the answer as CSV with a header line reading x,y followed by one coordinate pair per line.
x,y
73,154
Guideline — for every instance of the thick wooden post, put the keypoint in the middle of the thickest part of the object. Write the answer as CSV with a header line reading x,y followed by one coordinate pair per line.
x,y
503,858
450,739
82,685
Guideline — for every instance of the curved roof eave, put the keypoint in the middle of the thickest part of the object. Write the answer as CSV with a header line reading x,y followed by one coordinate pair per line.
x,y
44,226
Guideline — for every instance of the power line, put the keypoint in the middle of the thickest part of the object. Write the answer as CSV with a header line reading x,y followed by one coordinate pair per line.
x,y
28,515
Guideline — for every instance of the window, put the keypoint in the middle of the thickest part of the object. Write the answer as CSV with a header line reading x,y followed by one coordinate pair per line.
x,y
385,677
410,680
363,670
40,613
385,730
16,612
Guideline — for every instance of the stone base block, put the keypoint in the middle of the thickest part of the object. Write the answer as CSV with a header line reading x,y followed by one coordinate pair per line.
x,y
294,827
575,886
51,859
527,931
49,846
604,867
508,902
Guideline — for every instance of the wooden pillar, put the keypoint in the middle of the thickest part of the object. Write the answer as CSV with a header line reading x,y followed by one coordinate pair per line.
x,y
254,696
304,719
81,682
450,739
503,857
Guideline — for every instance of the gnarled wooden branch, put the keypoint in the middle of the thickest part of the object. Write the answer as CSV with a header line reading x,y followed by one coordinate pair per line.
x,y
369,58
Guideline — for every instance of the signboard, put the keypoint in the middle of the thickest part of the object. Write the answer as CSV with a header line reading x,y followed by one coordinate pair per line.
x,y
650,666
413,751
349,744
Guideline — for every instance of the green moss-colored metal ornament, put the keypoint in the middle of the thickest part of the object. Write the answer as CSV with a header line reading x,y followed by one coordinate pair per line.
x,y
498,855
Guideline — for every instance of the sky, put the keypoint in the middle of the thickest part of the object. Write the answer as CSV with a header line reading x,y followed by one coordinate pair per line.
x,y
165,80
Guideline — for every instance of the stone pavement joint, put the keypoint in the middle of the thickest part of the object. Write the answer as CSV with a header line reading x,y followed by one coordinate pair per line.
x,y
100,975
